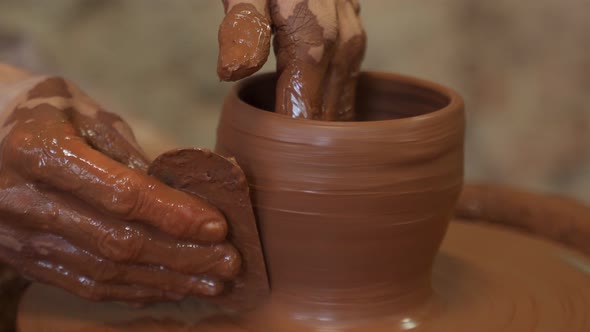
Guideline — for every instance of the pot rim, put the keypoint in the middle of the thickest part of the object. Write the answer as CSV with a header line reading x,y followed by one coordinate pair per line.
x,y
454,105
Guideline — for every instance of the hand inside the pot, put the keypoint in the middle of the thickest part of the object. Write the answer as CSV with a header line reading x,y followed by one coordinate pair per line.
x,y
78,211
319,47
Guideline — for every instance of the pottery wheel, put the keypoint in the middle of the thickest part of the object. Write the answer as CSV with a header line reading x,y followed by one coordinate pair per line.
x,y
486,278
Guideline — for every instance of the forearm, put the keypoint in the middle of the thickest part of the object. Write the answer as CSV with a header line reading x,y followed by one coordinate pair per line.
x,y
13,82
10,73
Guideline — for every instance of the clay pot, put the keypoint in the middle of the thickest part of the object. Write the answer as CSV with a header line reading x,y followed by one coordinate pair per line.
x,y
351,214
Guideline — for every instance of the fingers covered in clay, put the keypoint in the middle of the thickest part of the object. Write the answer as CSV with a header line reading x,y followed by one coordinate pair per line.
x,y
319,47
64,277
73,177
30,256
339,97
61,253
306,33
54,155
107,133
244,38
115,240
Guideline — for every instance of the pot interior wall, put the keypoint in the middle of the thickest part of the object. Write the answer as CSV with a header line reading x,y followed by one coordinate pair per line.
x,y
378,98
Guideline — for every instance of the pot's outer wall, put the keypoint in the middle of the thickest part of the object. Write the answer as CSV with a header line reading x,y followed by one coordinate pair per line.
x,y
351,214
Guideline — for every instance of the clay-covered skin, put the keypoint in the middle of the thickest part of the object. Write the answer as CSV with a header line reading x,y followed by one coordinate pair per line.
x,y
350,216
78,211
222,183
319,47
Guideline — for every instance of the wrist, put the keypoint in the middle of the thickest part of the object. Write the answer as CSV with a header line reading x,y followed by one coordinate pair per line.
x,y
10,74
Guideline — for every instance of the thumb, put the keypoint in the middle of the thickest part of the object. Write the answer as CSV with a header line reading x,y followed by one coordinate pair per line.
x,y
244,39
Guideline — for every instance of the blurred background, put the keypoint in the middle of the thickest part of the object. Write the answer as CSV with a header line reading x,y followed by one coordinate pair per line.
x,y
523,68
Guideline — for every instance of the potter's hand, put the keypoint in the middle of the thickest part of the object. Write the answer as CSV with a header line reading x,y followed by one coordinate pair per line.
x,y
319,47
78,211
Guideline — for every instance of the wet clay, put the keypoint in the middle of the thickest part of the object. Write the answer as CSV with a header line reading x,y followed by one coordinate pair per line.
x,y
359,197
560,219
335,244
351,217
244,41
481,280
222,183
319,46
78,210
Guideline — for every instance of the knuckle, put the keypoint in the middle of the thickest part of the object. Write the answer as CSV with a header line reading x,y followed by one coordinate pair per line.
x,y
121,245
105,271
127,197
49,215
44,155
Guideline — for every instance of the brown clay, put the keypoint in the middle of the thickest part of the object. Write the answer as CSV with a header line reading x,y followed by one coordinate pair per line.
x,y
341,205
78,211
485,278
319,47
220,182
351,216
560,219
334,242
244,41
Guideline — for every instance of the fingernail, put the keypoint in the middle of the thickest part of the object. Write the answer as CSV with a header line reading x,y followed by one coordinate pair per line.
x,y
230,265
213,230
207,287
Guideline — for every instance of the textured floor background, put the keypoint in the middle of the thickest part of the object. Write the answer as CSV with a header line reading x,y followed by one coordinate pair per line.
x,y
522,66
